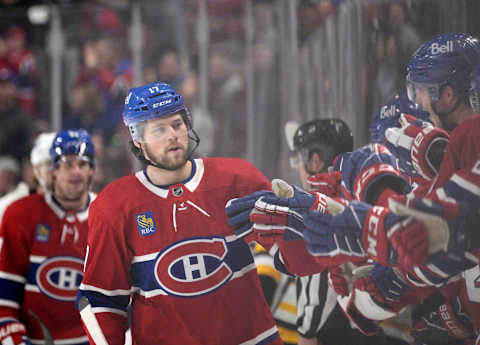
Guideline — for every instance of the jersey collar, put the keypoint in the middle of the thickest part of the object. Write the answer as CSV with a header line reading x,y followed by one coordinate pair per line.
x,y
191,183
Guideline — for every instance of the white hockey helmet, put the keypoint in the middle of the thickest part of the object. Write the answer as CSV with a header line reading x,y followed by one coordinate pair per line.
x,y
41,148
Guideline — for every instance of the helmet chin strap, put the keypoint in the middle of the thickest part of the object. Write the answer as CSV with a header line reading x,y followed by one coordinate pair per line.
x,y
193,136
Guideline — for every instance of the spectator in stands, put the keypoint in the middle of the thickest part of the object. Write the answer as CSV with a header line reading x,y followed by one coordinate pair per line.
x,y
22,61
15,126
9,174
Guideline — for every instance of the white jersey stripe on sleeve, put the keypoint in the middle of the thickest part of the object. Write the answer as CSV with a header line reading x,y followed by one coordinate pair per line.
x,y
465,184
9,303
117,292
15,277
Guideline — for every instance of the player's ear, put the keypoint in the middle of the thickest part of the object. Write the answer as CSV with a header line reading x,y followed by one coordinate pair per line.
x,y
448,93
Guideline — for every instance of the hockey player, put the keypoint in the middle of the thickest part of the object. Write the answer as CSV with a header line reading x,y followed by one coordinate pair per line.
x,y
162,234
439,74
43,243
40,160
338,238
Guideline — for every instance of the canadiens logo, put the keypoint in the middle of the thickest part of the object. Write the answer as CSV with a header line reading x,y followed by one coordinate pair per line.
x,y
145,223
193,267
42,233
59,277
177,191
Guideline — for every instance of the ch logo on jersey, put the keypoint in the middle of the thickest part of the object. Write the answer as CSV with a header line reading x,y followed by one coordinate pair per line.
x,y
193,267
42,233
145,223
59,277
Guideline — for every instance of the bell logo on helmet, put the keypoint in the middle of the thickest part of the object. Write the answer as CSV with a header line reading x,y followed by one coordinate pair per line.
x,y
442,48
159,104
387,111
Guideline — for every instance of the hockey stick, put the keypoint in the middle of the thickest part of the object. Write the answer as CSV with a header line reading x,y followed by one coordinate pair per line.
x,y
91,322
46,333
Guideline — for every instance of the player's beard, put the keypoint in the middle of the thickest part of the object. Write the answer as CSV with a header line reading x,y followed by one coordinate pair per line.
x,y
71,194
165,161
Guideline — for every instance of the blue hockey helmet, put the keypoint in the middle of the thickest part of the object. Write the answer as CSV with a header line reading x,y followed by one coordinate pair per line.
x,y
388,116
152,101
445,59
72,142
475,88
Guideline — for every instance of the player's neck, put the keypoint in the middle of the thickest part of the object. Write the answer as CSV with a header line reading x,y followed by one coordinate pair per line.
x,y
163,177
464,112
73,205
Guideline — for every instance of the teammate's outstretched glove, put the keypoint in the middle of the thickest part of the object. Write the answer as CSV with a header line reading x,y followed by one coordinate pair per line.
x,y
362,230
444,223
279,217
441,322
337,237
417,144
13,332
368,171
238,212
326,183
338,280
386,284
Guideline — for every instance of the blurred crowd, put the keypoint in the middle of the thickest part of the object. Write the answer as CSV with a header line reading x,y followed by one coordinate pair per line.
x,y
98,70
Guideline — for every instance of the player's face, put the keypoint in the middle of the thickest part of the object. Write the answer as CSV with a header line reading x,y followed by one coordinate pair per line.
x,y
71,178
422,98
166,142
305,169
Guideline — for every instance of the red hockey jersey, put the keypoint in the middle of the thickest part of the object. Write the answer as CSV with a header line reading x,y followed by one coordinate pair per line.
x,y
191,281
41,267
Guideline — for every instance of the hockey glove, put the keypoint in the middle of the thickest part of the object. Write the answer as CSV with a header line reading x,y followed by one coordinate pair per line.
x,y
367,171
441,322
338,237
326,183
444,223
337,279
12,332
238,212
383,283
280,217
362,230
418,145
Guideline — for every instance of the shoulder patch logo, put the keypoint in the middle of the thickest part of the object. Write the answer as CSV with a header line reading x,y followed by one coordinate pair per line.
x,y
42,232
145,223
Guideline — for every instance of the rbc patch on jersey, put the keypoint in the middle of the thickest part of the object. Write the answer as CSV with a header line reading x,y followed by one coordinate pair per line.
x,y
42,233
145,223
